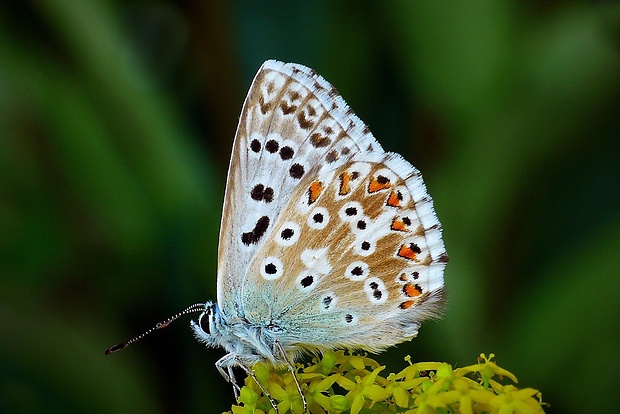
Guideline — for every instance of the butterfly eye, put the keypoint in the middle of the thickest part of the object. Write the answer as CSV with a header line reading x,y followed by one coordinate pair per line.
x,y
204,322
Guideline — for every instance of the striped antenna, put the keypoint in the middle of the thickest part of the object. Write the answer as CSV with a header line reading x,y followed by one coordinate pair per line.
x,y
197,307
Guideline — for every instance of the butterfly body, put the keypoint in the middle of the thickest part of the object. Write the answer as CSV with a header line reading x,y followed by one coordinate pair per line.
x,y
241,339
327,241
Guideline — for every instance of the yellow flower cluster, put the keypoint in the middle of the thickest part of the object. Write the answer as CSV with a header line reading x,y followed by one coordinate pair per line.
x,y
342,383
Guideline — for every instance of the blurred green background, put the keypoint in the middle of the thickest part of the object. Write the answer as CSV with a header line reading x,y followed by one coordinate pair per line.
x,y
116,125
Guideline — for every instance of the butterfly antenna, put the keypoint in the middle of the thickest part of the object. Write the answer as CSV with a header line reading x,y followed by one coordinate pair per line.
x,y
197,307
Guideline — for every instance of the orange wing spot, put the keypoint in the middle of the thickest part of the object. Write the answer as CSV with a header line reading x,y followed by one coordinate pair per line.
x,y
407,304
345,183
394,199
403,277
398,225
412,290
409,251
379,183
315,190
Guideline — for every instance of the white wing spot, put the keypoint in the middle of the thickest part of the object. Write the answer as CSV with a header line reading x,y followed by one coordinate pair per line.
x,y
318,218
361,226
328,301
387,173
350,319
376,291
316,260
271,268
306,281
288,234
356,271
364,247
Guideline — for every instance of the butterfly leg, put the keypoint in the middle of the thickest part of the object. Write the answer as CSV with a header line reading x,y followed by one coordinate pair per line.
x,y
291,368
249,371
233,381
229,376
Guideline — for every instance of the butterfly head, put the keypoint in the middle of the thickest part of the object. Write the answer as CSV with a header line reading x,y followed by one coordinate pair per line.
x,y
208,327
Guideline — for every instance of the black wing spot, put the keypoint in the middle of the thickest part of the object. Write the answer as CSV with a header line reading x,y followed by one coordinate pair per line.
x,y
286,234
415,248
286,153
255,145
357,271
351,211
331,156
272,145
307,281
252,237
296,171
319,141
262,193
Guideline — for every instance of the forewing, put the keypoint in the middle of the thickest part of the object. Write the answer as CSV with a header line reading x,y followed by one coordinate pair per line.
x,y
290,124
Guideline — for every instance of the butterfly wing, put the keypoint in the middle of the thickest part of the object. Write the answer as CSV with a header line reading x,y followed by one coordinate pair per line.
x,y
353,257
284,131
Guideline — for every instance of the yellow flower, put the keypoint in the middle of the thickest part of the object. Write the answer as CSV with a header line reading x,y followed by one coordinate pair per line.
x,y
487,369
422,387
363,388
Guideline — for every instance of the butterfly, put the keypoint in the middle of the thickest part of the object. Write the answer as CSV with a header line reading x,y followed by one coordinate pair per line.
x,y
326,241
